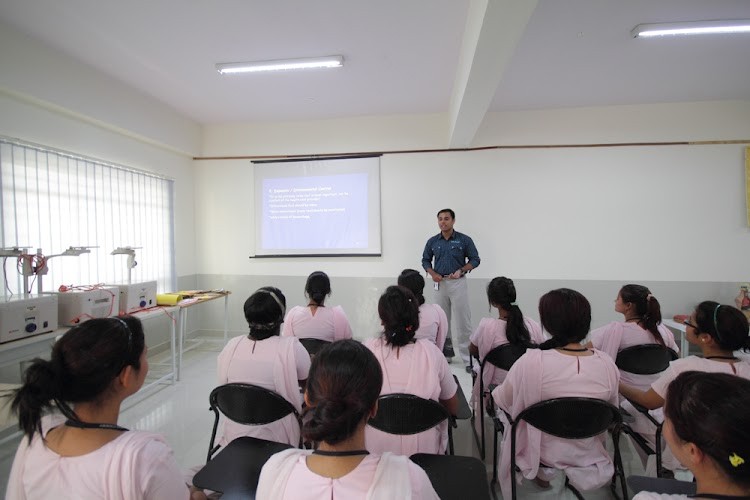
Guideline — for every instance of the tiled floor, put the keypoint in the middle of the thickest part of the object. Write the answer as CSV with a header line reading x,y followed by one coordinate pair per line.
x,y
180,412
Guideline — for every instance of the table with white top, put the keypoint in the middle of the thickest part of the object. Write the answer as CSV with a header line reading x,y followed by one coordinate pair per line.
x,y
681,330
196,298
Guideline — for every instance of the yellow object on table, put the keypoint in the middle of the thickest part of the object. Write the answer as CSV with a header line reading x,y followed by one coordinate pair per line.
x,y
168,299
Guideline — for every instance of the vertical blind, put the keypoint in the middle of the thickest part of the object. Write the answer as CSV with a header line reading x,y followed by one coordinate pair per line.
x,y
52,200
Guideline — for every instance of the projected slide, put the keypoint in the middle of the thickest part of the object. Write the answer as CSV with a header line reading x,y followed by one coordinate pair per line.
x,y
320,207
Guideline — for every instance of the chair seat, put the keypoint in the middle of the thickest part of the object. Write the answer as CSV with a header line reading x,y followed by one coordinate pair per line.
x,y
236,470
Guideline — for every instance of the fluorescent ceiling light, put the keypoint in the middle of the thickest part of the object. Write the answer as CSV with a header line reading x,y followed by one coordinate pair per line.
x,y
281,65
692,28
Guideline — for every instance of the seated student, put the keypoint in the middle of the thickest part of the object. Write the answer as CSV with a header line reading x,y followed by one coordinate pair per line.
x,y
561,367
83,453
341,395
511,327
433,323
706,427
718,331
265,359
410,366
316,321
642,325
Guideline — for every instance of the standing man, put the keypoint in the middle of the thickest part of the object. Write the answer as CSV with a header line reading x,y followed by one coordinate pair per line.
x,y
455,255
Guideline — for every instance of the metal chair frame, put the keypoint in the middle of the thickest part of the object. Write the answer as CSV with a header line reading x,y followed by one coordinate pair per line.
x,y
502,357
407,414
646,359
312,346
590,418
267,407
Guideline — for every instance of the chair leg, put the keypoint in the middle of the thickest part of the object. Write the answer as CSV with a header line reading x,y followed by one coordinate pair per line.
x,y
211,448
619,468
481,420
494,458
450,438
659,467
573,489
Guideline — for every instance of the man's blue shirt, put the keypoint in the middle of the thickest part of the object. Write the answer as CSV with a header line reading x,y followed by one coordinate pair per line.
x,y
451,254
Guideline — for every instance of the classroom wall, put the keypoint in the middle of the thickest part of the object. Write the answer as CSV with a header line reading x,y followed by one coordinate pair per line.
x,y
49,99
590,218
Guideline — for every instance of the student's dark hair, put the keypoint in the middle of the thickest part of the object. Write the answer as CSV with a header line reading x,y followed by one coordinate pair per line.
x,y
566,315
399,312
83,364
264,312
726,324
711,410
646,307
318,287
414,281
501,292
343,385
453,214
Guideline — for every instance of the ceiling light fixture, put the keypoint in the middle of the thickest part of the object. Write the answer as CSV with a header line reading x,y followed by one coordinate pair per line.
x,y
281,65
692,28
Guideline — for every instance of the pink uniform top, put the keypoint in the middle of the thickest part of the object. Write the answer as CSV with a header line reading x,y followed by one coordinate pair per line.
x,y
540,375
618,335
328,323
387,476
135,465
433,324
276,363
418,368
491,333
695,363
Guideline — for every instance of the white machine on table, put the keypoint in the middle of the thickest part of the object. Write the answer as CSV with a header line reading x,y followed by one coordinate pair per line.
x,y
78,305
137,296
23,317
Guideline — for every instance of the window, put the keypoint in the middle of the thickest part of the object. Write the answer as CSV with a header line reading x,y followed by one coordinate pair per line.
x,y
52,200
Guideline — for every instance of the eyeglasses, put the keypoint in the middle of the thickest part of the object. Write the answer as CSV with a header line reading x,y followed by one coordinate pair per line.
x,y
688,323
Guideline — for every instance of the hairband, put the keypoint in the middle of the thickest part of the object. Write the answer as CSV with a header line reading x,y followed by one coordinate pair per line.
x,y
736,460
276,298
649,297
513,304
264,326
127,329
716,324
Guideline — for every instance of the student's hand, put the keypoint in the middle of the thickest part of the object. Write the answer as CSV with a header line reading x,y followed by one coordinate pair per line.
x,y
197,493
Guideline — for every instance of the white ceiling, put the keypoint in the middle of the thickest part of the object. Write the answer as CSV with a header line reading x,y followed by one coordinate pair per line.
x,y
401,56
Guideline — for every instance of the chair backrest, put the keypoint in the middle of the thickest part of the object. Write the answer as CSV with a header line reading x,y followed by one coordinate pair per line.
x,y
250,404
645,359
406,414
313,345
503,356
570,417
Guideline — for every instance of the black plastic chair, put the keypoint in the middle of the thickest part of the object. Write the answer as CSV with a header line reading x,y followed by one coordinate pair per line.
x,y
249,405
406,414
442,471
646,359
502,357
572,418
313,345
